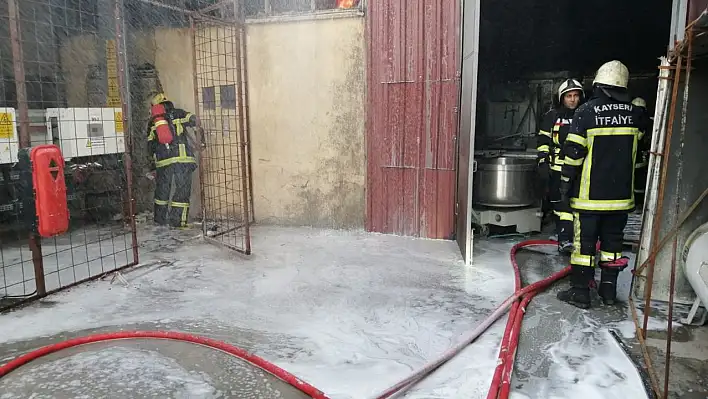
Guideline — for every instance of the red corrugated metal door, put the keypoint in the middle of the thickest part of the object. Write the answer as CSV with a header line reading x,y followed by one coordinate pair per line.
x,y
413,94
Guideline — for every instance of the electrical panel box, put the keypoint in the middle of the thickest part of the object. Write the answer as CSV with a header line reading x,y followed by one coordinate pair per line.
x,y
9,144
39,135
82,132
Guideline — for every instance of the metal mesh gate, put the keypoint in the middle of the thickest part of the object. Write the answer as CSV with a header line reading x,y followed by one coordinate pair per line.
x,y
221,96
62,65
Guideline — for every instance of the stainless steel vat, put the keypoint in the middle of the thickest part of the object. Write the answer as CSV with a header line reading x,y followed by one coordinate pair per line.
x,y
506,181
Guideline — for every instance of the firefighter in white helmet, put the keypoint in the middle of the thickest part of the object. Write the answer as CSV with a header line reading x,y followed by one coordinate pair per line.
x,y
642,166
598,177
551,136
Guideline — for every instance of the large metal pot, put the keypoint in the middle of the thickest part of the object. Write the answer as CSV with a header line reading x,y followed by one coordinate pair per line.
x,y
505,181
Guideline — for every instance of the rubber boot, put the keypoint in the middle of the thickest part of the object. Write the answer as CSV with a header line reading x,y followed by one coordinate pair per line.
x,y
160,215
608,279
578,294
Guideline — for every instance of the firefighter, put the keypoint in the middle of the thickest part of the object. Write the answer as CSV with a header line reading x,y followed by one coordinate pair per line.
x,y
642,165
173,154
551,136
597,176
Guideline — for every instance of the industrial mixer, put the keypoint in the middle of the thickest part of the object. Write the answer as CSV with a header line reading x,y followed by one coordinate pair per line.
x,y
505,191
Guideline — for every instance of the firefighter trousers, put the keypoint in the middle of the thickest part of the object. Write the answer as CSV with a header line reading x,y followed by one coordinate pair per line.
x,y
591,227
640,180
563,214
173,211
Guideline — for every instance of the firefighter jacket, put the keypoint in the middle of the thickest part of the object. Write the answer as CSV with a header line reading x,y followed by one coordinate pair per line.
x,y
551,136
600,154
645,142
180,150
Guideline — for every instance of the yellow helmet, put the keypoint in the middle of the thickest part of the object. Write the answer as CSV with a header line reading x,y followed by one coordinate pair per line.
x,y
159,98
639,102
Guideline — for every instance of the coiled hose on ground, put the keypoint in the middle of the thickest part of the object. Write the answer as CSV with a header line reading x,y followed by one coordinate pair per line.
x,y
499,389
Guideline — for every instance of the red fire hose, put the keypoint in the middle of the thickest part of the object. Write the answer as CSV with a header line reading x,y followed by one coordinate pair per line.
x,y
511,334
176,336
500,383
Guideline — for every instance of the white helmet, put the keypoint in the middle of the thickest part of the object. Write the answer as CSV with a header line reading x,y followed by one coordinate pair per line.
x,y
613,73
639,102
569,85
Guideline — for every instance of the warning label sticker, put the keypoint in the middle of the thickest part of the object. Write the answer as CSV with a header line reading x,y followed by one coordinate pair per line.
x,y
119,122
6,129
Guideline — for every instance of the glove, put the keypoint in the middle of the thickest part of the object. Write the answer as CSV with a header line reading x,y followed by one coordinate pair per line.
x,y
151,175
564,190
544,176
543,170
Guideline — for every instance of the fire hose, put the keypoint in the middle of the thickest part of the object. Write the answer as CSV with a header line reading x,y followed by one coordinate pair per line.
x,y
517,302
171,335
500,386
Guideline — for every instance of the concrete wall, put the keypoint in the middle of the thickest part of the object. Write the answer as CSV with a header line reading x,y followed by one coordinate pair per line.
x,y
307,106
307,109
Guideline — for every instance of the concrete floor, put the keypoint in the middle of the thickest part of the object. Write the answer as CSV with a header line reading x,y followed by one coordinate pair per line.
x,y
545,338
688,378
565,352
348,312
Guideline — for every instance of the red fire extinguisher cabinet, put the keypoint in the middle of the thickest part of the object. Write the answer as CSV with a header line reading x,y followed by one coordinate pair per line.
x,y
49,190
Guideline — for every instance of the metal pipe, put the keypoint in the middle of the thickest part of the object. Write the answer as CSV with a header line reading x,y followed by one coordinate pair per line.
x,y
242,21
19,69
653,377
125,104
242,137
674,230
672,282
35,243
202,139
660,200
213,7
167,6
654,167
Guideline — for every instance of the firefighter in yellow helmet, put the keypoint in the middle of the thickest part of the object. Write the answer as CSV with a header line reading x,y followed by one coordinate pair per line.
x,y
598,178
641,168
174,160
551,136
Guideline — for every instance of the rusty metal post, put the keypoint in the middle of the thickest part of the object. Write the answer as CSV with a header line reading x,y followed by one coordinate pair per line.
x,y
241,18
125,103
672,282
660,200
201,139
35,243
242,136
